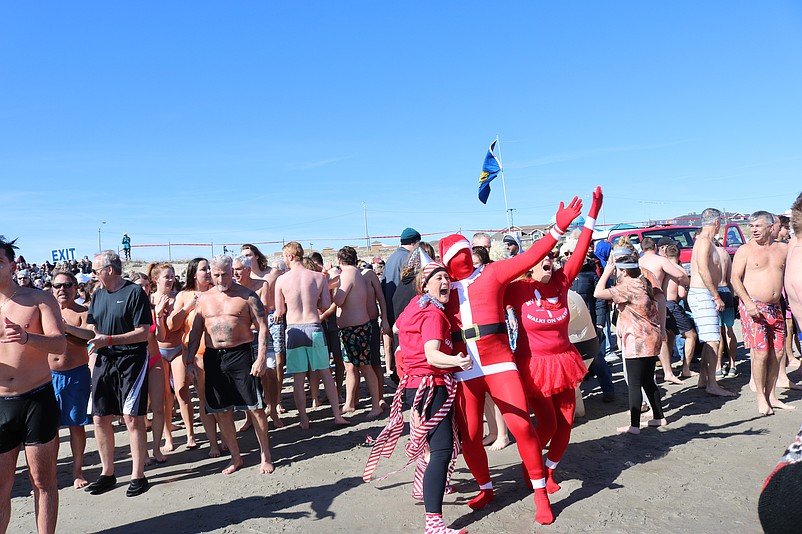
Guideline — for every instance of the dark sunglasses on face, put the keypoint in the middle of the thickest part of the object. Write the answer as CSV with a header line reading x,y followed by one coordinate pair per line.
x,y
59,285
96,271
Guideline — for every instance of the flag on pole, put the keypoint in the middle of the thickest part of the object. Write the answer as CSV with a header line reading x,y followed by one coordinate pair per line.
x,y
490,170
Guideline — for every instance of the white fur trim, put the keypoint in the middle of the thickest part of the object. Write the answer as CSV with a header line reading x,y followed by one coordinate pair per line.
x,y
590,223
539,483
550,464
489,485
462,244
556,233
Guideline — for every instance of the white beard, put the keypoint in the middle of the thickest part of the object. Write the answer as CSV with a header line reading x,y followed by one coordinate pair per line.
x,y
221,288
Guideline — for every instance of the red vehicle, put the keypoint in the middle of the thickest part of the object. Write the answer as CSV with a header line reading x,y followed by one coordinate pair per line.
x,y
684,236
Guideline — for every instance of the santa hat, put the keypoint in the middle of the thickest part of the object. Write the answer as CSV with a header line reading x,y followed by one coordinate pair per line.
x,y
451,245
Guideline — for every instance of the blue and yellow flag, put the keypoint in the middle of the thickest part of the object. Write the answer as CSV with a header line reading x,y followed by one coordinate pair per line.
x,y
490,170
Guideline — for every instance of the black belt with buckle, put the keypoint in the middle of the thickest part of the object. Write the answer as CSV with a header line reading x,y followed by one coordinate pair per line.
x,y
477,331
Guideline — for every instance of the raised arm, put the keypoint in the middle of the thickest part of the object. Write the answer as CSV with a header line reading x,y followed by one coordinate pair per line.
x,y
508,270
574,264
602,291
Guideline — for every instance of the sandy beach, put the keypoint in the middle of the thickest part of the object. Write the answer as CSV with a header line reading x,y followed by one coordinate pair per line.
x,y
702,473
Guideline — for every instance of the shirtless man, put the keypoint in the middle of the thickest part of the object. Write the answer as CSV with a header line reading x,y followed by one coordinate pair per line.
x,y
377,309
276,324
225,316
726,316
704,300
352,297
328,318
677,321
72,381
757,278
301,294
793,263
31,329
663,270
241,268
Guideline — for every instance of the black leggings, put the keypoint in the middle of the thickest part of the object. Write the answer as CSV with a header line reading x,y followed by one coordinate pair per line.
x,y
440,445
640,374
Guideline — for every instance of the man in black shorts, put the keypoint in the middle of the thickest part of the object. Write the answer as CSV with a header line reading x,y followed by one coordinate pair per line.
x,y
120,316
30,329
226,316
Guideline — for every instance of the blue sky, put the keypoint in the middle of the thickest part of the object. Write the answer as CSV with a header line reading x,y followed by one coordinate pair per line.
x,y
199,122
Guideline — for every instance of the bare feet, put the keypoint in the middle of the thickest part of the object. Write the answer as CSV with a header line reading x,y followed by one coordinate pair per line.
x,y
347,409
787,384
191,443
266,467
341,421
232,467
315,404
500,443
489,439
276,418
79,482
169,446
671,377
158,457
375,412
715,389
280,408
627,430
383,405
304,422
657,422
689,374
214,451
781,405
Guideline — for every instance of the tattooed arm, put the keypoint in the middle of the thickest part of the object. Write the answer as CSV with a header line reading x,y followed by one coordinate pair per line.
x,y
259,318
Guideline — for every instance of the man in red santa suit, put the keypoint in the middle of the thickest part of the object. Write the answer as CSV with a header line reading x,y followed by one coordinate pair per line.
x,y
476,312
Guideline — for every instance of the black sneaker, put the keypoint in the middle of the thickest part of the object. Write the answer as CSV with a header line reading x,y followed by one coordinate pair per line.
x,y
138,486
103,484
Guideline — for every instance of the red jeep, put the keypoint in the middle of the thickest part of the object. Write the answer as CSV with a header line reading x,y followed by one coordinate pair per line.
x,y
683,235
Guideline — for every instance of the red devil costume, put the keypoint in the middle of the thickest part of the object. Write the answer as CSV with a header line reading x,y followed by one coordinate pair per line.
x,y
476,312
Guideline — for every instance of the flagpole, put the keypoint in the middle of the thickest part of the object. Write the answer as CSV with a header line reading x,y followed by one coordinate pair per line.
x,y
503,185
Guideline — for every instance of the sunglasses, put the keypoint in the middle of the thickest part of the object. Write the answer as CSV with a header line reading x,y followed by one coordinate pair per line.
x,y
59,285
96,271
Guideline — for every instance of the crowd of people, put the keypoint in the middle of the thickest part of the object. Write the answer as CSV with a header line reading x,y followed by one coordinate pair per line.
x,y
476,347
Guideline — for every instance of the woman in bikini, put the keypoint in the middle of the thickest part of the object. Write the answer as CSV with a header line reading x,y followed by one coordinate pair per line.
x,y
155,378
199,279
162,277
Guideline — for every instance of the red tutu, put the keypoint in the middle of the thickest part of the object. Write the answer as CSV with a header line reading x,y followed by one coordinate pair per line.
x,y
544,375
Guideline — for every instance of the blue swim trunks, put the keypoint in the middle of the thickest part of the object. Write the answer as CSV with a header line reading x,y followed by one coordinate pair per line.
x,y
72,393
